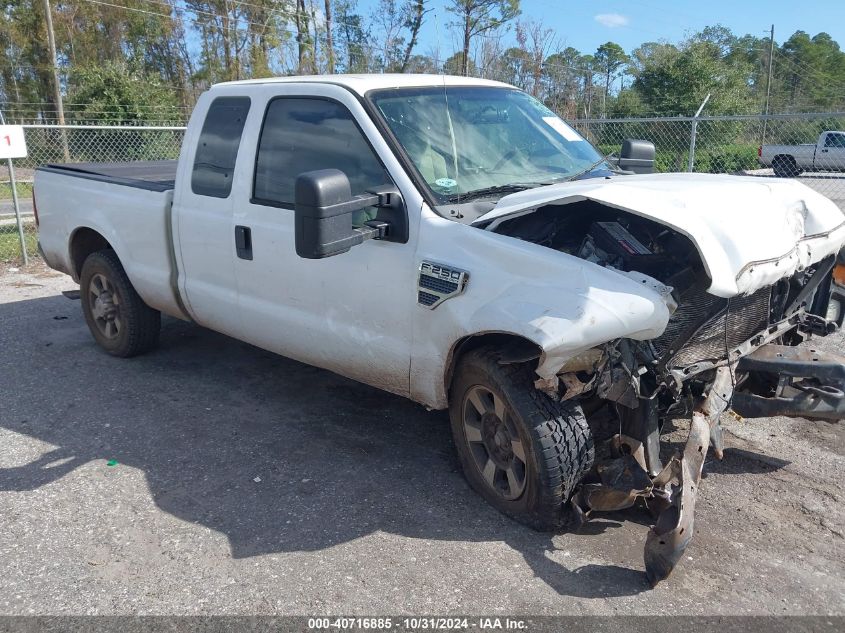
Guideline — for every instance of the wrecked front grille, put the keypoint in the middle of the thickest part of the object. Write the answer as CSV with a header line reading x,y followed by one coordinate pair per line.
x,y
705,326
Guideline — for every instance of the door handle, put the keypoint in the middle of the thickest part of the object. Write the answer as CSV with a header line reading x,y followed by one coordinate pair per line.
x,y
243,242
824,151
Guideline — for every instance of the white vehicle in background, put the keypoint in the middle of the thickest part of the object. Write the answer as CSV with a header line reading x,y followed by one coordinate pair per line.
x,y
454,241
827,154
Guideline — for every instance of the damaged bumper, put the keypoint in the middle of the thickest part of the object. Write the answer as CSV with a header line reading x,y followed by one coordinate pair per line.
x,y
775,380
794,382
754,378
672,493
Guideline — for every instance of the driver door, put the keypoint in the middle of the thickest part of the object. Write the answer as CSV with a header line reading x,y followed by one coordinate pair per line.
x,y
350,313
832,155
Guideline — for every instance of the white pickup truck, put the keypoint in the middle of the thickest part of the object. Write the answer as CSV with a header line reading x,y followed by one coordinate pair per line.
x,y
453,241
827,154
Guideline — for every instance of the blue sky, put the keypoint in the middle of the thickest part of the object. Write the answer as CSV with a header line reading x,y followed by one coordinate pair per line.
x,y
587,24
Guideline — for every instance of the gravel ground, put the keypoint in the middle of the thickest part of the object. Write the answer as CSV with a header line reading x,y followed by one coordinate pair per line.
x,y
247,483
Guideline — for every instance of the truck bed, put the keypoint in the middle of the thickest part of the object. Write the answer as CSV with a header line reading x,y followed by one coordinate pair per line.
x,y
152,175
128,205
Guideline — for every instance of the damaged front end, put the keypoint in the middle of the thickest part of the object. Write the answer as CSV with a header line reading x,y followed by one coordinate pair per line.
x,y
714,355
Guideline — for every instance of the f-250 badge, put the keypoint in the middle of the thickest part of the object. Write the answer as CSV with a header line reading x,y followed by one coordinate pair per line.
x,y
438,283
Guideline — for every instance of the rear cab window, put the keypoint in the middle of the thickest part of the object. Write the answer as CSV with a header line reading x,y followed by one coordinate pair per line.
x,y
217,148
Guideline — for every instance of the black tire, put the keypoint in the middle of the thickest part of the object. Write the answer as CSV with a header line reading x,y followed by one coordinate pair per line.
x,y
119,320
785,167
556,441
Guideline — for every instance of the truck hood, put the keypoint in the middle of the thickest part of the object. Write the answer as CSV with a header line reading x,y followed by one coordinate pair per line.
x,y
749,231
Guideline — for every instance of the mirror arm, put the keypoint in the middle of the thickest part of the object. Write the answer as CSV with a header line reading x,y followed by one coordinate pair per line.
x,y
375,229
387,196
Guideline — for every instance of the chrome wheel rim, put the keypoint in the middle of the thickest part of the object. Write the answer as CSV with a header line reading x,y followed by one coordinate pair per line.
x,y
104,301
495,445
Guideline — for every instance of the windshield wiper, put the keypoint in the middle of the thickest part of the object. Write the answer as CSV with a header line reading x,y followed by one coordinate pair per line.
x,y
590,168
492,191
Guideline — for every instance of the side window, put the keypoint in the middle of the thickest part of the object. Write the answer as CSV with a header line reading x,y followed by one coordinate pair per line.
x,y
300,135
835,140
217,149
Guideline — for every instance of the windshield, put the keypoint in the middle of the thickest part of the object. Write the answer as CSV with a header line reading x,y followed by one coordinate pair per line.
x,y
470,139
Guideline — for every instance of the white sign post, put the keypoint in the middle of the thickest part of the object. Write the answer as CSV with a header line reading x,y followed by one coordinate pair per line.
x,y
12,141
13,145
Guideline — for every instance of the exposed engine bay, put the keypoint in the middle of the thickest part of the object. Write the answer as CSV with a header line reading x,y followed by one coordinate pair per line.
x,y
715,355
609,237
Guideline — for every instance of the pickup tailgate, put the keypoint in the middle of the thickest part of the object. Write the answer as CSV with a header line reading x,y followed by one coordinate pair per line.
x,y
128,204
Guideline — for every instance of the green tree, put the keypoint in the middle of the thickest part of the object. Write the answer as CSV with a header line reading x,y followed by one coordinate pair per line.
x,y
610,58
674,80
420,64
354,40
414,16
627,104
515,67
115,93
562,76
480,16
120,95
809,74
457,64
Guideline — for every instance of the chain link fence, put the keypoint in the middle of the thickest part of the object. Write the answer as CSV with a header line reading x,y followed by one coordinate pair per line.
x,y
726,144
71,144
731,145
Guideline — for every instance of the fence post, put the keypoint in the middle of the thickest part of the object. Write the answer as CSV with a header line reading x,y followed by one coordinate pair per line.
x,y
17,212
693,133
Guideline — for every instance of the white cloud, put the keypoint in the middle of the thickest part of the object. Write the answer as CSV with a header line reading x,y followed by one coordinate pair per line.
x,y
611,20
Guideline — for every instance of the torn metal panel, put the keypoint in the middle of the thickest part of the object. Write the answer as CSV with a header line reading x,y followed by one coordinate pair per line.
x,y
642,425
573,386
622,480
668,539
619,379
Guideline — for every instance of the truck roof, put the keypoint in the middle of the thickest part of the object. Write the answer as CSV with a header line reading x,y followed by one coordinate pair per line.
x,y
362,83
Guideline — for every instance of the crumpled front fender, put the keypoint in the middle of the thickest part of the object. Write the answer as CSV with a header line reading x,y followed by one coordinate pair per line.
x,y
602,306
561,303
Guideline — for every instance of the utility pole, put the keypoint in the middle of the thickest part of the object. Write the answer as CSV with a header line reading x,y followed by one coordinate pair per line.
x,y
57,88
329,41
768,83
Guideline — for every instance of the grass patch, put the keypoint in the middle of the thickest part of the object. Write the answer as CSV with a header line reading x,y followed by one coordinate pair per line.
x,y
10,245
24,190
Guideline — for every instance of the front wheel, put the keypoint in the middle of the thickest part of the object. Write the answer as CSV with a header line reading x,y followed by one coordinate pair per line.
x,y
519,449
120,321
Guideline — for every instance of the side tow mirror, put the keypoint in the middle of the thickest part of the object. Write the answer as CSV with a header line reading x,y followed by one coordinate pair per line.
x,y
323,208
637,156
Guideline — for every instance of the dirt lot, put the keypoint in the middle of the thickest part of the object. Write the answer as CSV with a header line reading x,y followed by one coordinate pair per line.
x,y
247,483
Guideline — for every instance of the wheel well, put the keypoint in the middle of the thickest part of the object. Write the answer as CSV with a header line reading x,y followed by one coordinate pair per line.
x,y
84,242
784,157
514,349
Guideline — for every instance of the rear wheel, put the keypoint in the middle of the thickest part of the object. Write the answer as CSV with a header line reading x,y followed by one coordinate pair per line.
x,y
120,321
519,449
785,167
